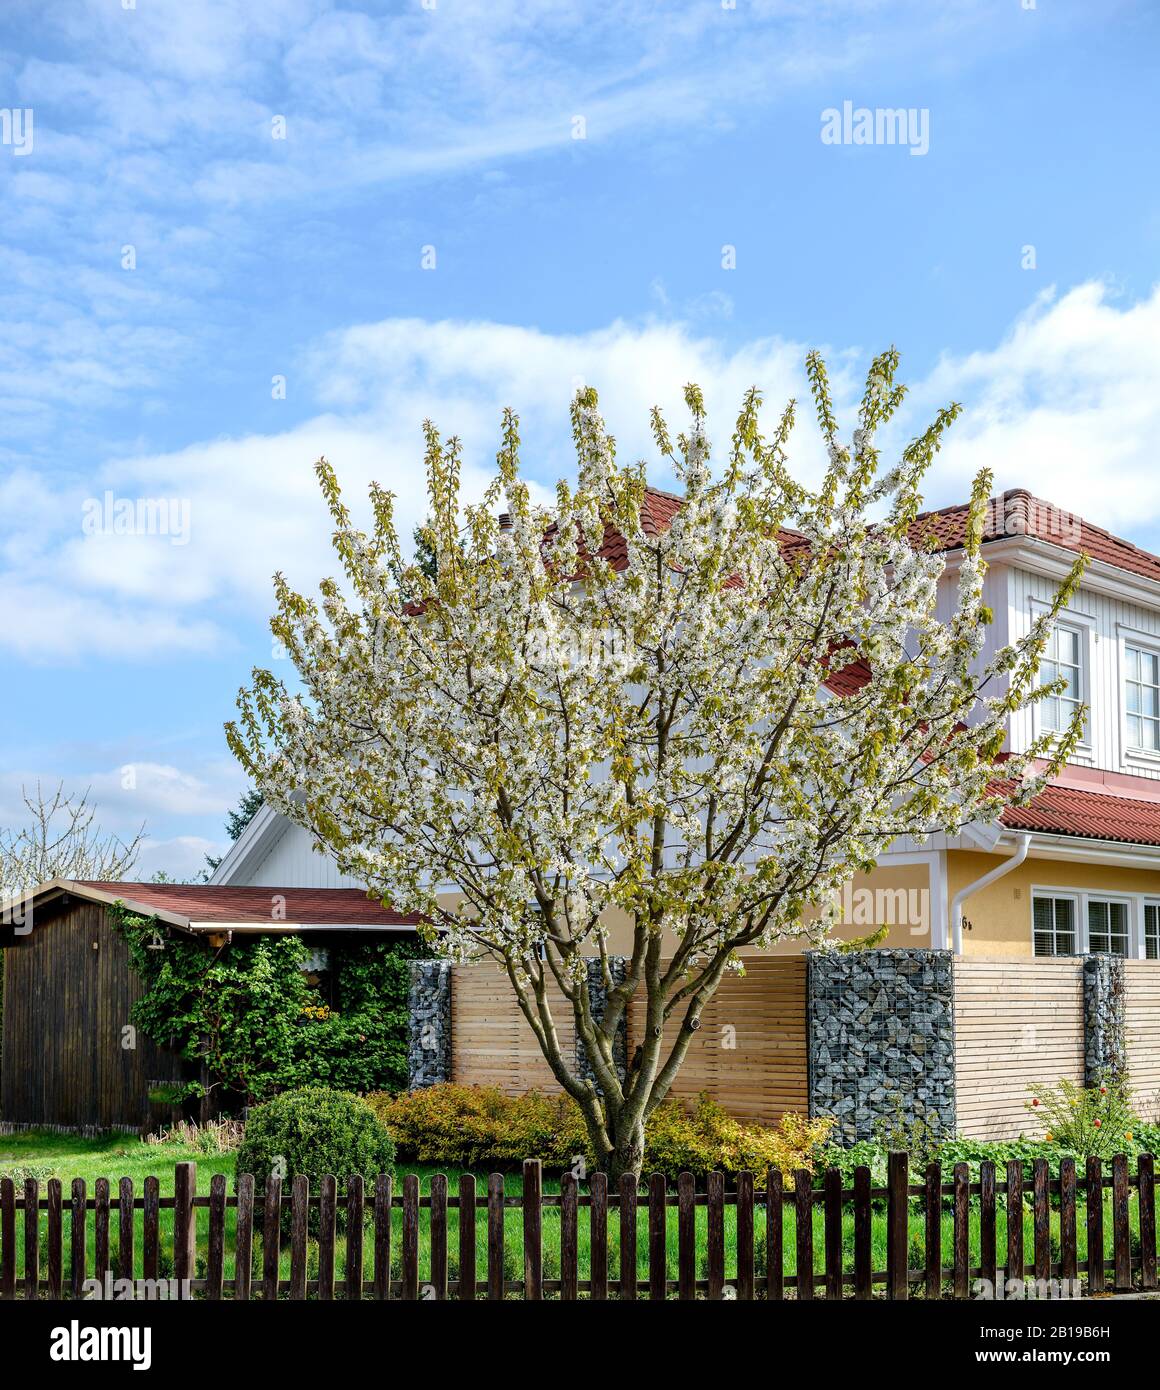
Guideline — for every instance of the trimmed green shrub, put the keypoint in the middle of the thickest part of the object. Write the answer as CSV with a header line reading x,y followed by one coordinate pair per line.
x,y
315,1131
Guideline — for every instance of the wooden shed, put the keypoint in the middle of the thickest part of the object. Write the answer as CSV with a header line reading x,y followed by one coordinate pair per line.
x,y
69,1056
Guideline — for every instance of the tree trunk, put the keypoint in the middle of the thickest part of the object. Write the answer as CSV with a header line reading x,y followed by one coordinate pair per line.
x,y
627,1153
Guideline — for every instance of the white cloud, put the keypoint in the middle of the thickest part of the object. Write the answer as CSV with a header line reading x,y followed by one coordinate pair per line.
x,y
130,794
154,129
182,857
1065,402
1065,405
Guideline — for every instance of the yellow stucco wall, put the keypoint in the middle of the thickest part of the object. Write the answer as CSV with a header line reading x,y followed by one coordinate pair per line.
x,y
1000,915
899,895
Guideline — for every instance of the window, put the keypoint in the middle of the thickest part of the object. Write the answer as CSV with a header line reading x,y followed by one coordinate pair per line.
x,y
1108,927
1152,931
1062,658
1142,698
1054,920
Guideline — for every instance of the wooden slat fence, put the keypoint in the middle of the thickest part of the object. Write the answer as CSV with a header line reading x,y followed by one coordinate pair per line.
x,y
788,1215
750,1052
1141,1028
1018,1023
491,1042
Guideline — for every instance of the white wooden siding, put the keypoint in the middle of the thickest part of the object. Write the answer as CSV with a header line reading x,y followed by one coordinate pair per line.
x,y
292,863
1107,618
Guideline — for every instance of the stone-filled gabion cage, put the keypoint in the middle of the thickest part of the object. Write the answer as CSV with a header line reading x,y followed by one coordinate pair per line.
x,y
881,1039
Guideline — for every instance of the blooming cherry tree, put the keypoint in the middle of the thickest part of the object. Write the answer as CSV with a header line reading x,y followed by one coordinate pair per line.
x,y
591,712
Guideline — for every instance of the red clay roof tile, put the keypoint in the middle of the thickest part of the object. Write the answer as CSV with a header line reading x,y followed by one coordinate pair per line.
x,y
1060,810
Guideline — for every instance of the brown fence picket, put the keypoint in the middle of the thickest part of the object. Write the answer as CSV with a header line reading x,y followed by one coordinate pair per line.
x,y
686,1237
745,1236
628,1200
299,1229
1068,1242
438,1230
1146,1182
355,1219
299,1217
774,1238
55,1239
896,1226
962,1230
1121,1233
1042,1219
1095,1225
31,1239
150,1227
125,1228
715,1233
7,1238
411,1237
533,1231
495,1236
569,1239
101,1229
77,1246
598,1236
803,1204
216,1256
244,1238
466,1238
863,1217
1015,1263
988,1252
271,1235
932,1231
184,1227
833,1232
657,1245
327,1220
382,1254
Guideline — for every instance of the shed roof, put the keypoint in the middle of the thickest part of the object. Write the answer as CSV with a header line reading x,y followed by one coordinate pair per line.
x,y
205,907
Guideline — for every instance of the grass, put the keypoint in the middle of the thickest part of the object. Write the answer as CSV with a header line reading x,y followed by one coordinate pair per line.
x,y
118,1156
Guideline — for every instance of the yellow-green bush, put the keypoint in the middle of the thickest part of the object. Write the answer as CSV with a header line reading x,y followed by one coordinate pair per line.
x,y
473,1125
468,1125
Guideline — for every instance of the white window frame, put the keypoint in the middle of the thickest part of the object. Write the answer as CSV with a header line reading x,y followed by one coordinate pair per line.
x,y
1147,903
1146,642
1082,897
1083,625
1125,901
1069,895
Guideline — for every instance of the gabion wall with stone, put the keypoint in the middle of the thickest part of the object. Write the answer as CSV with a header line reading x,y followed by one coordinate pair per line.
x,y
1104,1041
429,1038
881,1039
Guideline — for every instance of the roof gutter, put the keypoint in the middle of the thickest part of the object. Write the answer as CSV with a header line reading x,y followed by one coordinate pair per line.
x,y
1022,846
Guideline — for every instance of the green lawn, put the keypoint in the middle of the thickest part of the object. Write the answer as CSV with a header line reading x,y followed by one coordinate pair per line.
x,y
120,1156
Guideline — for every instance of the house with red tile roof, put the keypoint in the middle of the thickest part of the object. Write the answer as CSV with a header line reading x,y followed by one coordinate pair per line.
x,y
1077,870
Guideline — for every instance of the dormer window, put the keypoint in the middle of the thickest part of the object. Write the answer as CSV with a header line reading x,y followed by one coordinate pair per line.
x,y
1063,657
1142,698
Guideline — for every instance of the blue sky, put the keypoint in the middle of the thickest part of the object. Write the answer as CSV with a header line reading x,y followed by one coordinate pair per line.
x,y
165,254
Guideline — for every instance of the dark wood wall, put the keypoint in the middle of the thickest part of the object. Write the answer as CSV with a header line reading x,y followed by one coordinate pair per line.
x,y
68,990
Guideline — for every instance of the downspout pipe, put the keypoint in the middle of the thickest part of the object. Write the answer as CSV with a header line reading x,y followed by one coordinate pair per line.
x,y
1022,846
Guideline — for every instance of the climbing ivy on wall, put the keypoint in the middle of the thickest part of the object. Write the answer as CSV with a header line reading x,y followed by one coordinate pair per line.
x,y
252,1014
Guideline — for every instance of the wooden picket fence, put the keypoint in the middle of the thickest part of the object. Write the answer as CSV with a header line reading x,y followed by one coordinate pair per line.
x,y
368,1212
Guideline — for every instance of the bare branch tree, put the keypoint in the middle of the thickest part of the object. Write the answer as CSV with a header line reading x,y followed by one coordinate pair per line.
x,y
60,840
